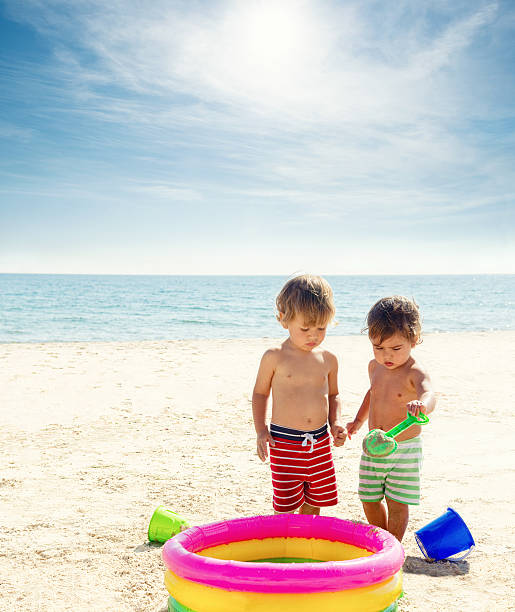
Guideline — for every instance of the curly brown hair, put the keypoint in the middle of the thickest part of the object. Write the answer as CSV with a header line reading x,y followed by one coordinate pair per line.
x,y
392,315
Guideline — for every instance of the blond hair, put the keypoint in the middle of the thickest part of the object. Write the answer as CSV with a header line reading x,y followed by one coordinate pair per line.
x,y
392,315
309,297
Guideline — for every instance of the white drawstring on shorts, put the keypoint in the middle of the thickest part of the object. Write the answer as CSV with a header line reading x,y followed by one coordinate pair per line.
x,y
308,437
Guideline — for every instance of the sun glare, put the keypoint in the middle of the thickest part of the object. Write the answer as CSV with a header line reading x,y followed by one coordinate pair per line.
x,y
266,45
274,34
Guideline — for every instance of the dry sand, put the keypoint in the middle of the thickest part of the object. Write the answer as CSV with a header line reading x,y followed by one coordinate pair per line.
x,y
94,436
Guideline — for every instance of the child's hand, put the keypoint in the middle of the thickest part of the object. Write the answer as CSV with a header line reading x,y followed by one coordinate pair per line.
x,y
339,434
263,440
353,427
415,407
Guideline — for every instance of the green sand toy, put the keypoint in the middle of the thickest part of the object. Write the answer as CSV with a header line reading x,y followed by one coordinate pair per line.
x,y
164,524
379,443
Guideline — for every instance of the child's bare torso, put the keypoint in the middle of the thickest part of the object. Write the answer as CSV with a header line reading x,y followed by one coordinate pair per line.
x,y
300,388
390,391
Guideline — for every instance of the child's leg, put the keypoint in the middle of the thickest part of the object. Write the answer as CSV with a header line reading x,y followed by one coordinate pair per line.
x,y
309,509
402,486
398,516
375,513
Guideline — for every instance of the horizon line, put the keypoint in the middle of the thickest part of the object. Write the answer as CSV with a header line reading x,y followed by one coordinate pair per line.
x,y
256,274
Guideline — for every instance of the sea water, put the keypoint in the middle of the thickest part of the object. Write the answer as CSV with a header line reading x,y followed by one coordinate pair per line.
x,y
47,308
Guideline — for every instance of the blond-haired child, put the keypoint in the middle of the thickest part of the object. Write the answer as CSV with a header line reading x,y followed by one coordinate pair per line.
x,y
303,381
398,385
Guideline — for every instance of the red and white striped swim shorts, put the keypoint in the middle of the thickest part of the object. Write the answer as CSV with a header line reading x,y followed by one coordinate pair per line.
x,y
302,468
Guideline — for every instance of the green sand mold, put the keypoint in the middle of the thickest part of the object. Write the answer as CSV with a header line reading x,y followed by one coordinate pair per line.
x,y
164,524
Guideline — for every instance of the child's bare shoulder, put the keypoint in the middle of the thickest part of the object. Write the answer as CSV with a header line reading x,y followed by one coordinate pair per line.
x,y
330,359
417,371
274,354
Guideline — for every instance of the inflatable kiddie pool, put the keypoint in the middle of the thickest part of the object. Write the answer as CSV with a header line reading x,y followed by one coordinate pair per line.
x,y
283,563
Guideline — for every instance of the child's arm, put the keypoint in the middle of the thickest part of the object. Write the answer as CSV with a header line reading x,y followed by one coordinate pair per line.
x,y
426,400
338,432
363,412
260,400
361,416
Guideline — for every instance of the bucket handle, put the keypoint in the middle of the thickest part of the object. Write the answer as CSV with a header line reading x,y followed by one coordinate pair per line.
x,y
467,553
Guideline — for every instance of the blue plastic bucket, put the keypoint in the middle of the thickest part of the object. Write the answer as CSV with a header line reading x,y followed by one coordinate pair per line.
x,y
444,537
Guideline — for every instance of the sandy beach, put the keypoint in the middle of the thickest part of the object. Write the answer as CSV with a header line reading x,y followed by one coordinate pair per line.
x,y
94,436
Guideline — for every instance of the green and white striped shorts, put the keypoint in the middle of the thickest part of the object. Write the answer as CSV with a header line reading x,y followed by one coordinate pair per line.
x,y
396,476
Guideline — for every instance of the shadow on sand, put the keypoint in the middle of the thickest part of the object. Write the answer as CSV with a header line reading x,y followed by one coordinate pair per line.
x,y
417,565
146,546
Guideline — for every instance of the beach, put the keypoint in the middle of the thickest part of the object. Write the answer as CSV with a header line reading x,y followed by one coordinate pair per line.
x,y
95,435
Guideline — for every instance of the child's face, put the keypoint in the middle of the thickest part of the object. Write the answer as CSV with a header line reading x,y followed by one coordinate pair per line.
x,y
392,352
303,336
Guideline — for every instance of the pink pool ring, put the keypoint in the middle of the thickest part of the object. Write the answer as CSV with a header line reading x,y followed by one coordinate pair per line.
x,y
228,566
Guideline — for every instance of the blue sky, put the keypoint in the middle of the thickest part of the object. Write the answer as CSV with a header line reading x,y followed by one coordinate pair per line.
x,y
257,136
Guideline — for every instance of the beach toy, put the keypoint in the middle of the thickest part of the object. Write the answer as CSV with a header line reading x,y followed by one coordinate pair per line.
x,y
164,524
444,537
284,563
379,443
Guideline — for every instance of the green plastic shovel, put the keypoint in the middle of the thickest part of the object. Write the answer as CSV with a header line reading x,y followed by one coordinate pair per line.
x,y
379,443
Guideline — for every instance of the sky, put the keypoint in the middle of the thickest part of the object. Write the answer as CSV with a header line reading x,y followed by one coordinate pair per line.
x,y
257,136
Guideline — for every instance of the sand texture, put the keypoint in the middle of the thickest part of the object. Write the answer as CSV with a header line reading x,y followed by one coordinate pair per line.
x,y
94,436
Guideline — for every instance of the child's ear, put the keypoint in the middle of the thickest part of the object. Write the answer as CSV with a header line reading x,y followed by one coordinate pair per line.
x,y
280,318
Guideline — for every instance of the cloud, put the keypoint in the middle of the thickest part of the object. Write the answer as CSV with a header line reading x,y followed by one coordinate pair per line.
x,y
326,106
297,60
12,131
167,192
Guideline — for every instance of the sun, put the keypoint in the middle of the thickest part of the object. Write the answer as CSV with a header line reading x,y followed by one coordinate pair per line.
x,y
274,34
266,45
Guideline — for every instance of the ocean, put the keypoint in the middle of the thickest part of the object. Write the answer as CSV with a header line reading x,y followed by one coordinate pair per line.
x,y
49,308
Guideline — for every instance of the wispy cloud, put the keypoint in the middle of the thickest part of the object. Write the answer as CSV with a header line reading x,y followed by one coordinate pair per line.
x,y
320,107
12,131
297,61
168,192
